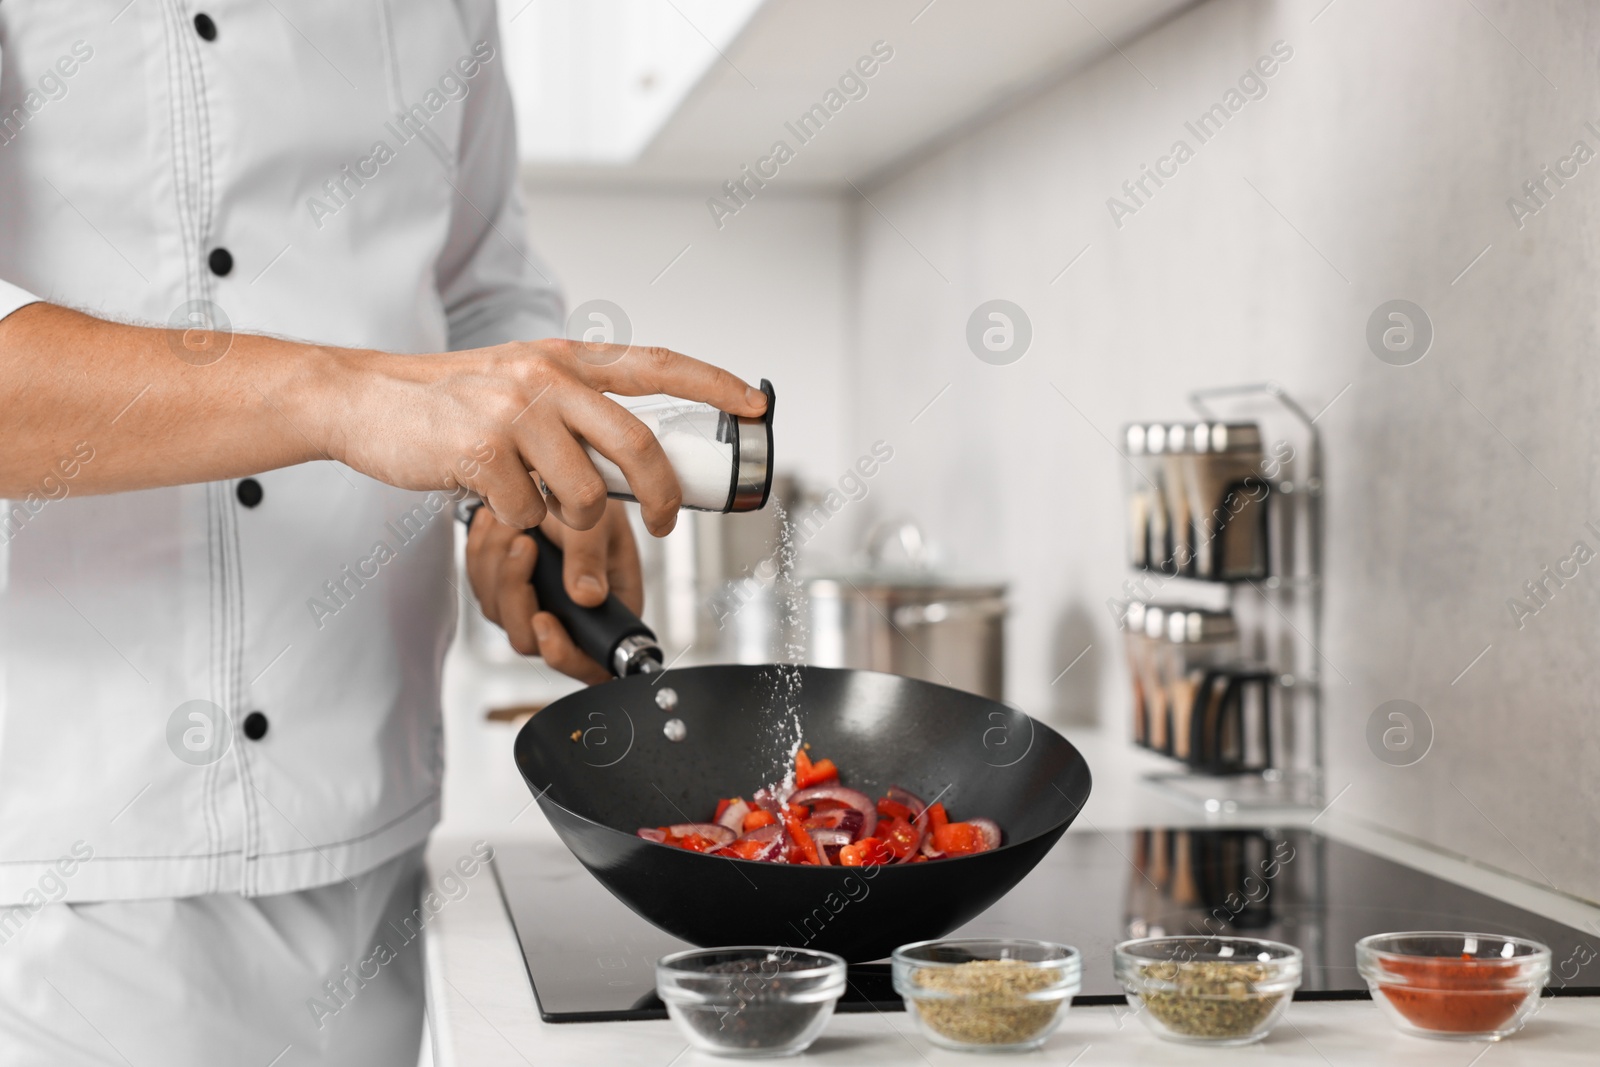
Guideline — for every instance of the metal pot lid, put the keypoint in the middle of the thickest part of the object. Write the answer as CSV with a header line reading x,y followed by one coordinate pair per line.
x,y
929,585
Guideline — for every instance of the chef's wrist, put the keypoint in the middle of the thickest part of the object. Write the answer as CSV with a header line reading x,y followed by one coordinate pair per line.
x,y
324,393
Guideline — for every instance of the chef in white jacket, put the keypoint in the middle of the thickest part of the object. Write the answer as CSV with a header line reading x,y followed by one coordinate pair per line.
x,y
265,301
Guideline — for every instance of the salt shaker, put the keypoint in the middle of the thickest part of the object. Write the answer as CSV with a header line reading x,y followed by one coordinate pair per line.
x,y
723,463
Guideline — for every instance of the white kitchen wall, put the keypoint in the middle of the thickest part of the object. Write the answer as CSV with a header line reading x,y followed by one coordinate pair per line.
x,y
764,296
1378,165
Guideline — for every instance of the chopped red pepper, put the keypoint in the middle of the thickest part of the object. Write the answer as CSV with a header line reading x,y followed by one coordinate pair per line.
x,y
868,852
803,844
899,837
747,850
892,809
958,839
694,843
808,774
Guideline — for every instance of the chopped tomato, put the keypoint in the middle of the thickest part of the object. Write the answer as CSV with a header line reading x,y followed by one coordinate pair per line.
x,y
808,774
802,840
723,806
919,858
694,843
755,820
799,811
900,836
891,809
958,839
937,816
747,850
868,852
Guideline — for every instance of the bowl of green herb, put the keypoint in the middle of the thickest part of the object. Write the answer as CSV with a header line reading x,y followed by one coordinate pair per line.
x,y
1209,990
987,994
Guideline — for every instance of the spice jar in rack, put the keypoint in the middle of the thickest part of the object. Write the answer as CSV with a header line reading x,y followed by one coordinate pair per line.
x,y
1134,645
1177,460
1148,545
1198,645
1226,493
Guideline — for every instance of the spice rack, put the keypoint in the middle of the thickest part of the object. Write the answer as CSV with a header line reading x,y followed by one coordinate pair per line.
x,y
1260,715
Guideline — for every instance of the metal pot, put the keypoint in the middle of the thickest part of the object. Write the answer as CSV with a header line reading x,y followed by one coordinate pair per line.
x,y
913,624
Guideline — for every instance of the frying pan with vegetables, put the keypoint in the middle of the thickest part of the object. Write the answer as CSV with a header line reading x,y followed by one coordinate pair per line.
x,y
601,765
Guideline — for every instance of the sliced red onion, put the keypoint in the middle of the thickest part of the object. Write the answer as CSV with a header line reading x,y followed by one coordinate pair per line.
x,y
846,819
990,830
908,798
764,833
773,800
853,823
822,855
859,801
776,848
713,832
733,818
651,834
829,837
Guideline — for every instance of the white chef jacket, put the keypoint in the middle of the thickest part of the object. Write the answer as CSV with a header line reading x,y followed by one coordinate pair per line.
x,y
356,161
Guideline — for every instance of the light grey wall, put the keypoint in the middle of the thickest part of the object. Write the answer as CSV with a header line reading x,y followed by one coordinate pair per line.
x,y
1377,166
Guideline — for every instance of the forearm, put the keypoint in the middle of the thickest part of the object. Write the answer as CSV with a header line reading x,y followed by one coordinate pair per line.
x,y
152,416
159,407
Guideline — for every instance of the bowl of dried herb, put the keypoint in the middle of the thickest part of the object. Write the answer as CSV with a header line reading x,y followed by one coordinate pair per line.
x,y
987,994
1209,990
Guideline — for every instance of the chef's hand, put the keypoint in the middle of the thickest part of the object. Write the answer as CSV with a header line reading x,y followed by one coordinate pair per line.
x,y
232,405
484,419
600,560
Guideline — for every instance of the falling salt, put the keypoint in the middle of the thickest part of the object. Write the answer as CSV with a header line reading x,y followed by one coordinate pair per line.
x,y
667,698
785,677
675,730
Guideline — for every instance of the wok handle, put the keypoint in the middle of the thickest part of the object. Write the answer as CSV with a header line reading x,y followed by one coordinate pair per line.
x,y
611,634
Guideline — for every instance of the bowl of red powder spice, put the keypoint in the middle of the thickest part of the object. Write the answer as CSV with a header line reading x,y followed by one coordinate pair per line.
x,y
1471,987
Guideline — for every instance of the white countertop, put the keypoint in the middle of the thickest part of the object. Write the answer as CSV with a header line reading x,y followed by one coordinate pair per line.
x,y
482,1011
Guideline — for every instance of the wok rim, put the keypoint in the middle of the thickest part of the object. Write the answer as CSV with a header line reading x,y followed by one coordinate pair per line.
x,y
1059,826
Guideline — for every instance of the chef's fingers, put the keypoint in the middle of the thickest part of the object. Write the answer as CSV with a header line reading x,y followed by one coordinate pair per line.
x,y
514,592
583,570
638,370
507,486
574,491
487,542
556,646
618,435
622,562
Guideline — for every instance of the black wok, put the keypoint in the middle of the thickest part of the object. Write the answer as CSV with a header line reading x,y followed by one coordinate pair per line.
x,y
601,767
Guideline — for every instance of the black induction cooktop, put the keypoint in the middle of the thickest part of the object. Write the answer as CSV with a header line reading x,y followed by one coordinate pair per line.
x,y
591,959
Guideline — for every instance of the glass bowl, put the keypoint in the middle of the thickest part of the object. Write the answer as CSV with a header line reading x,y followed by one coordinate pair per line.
x,y
750,1000
1209,990
987,994
1469,987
